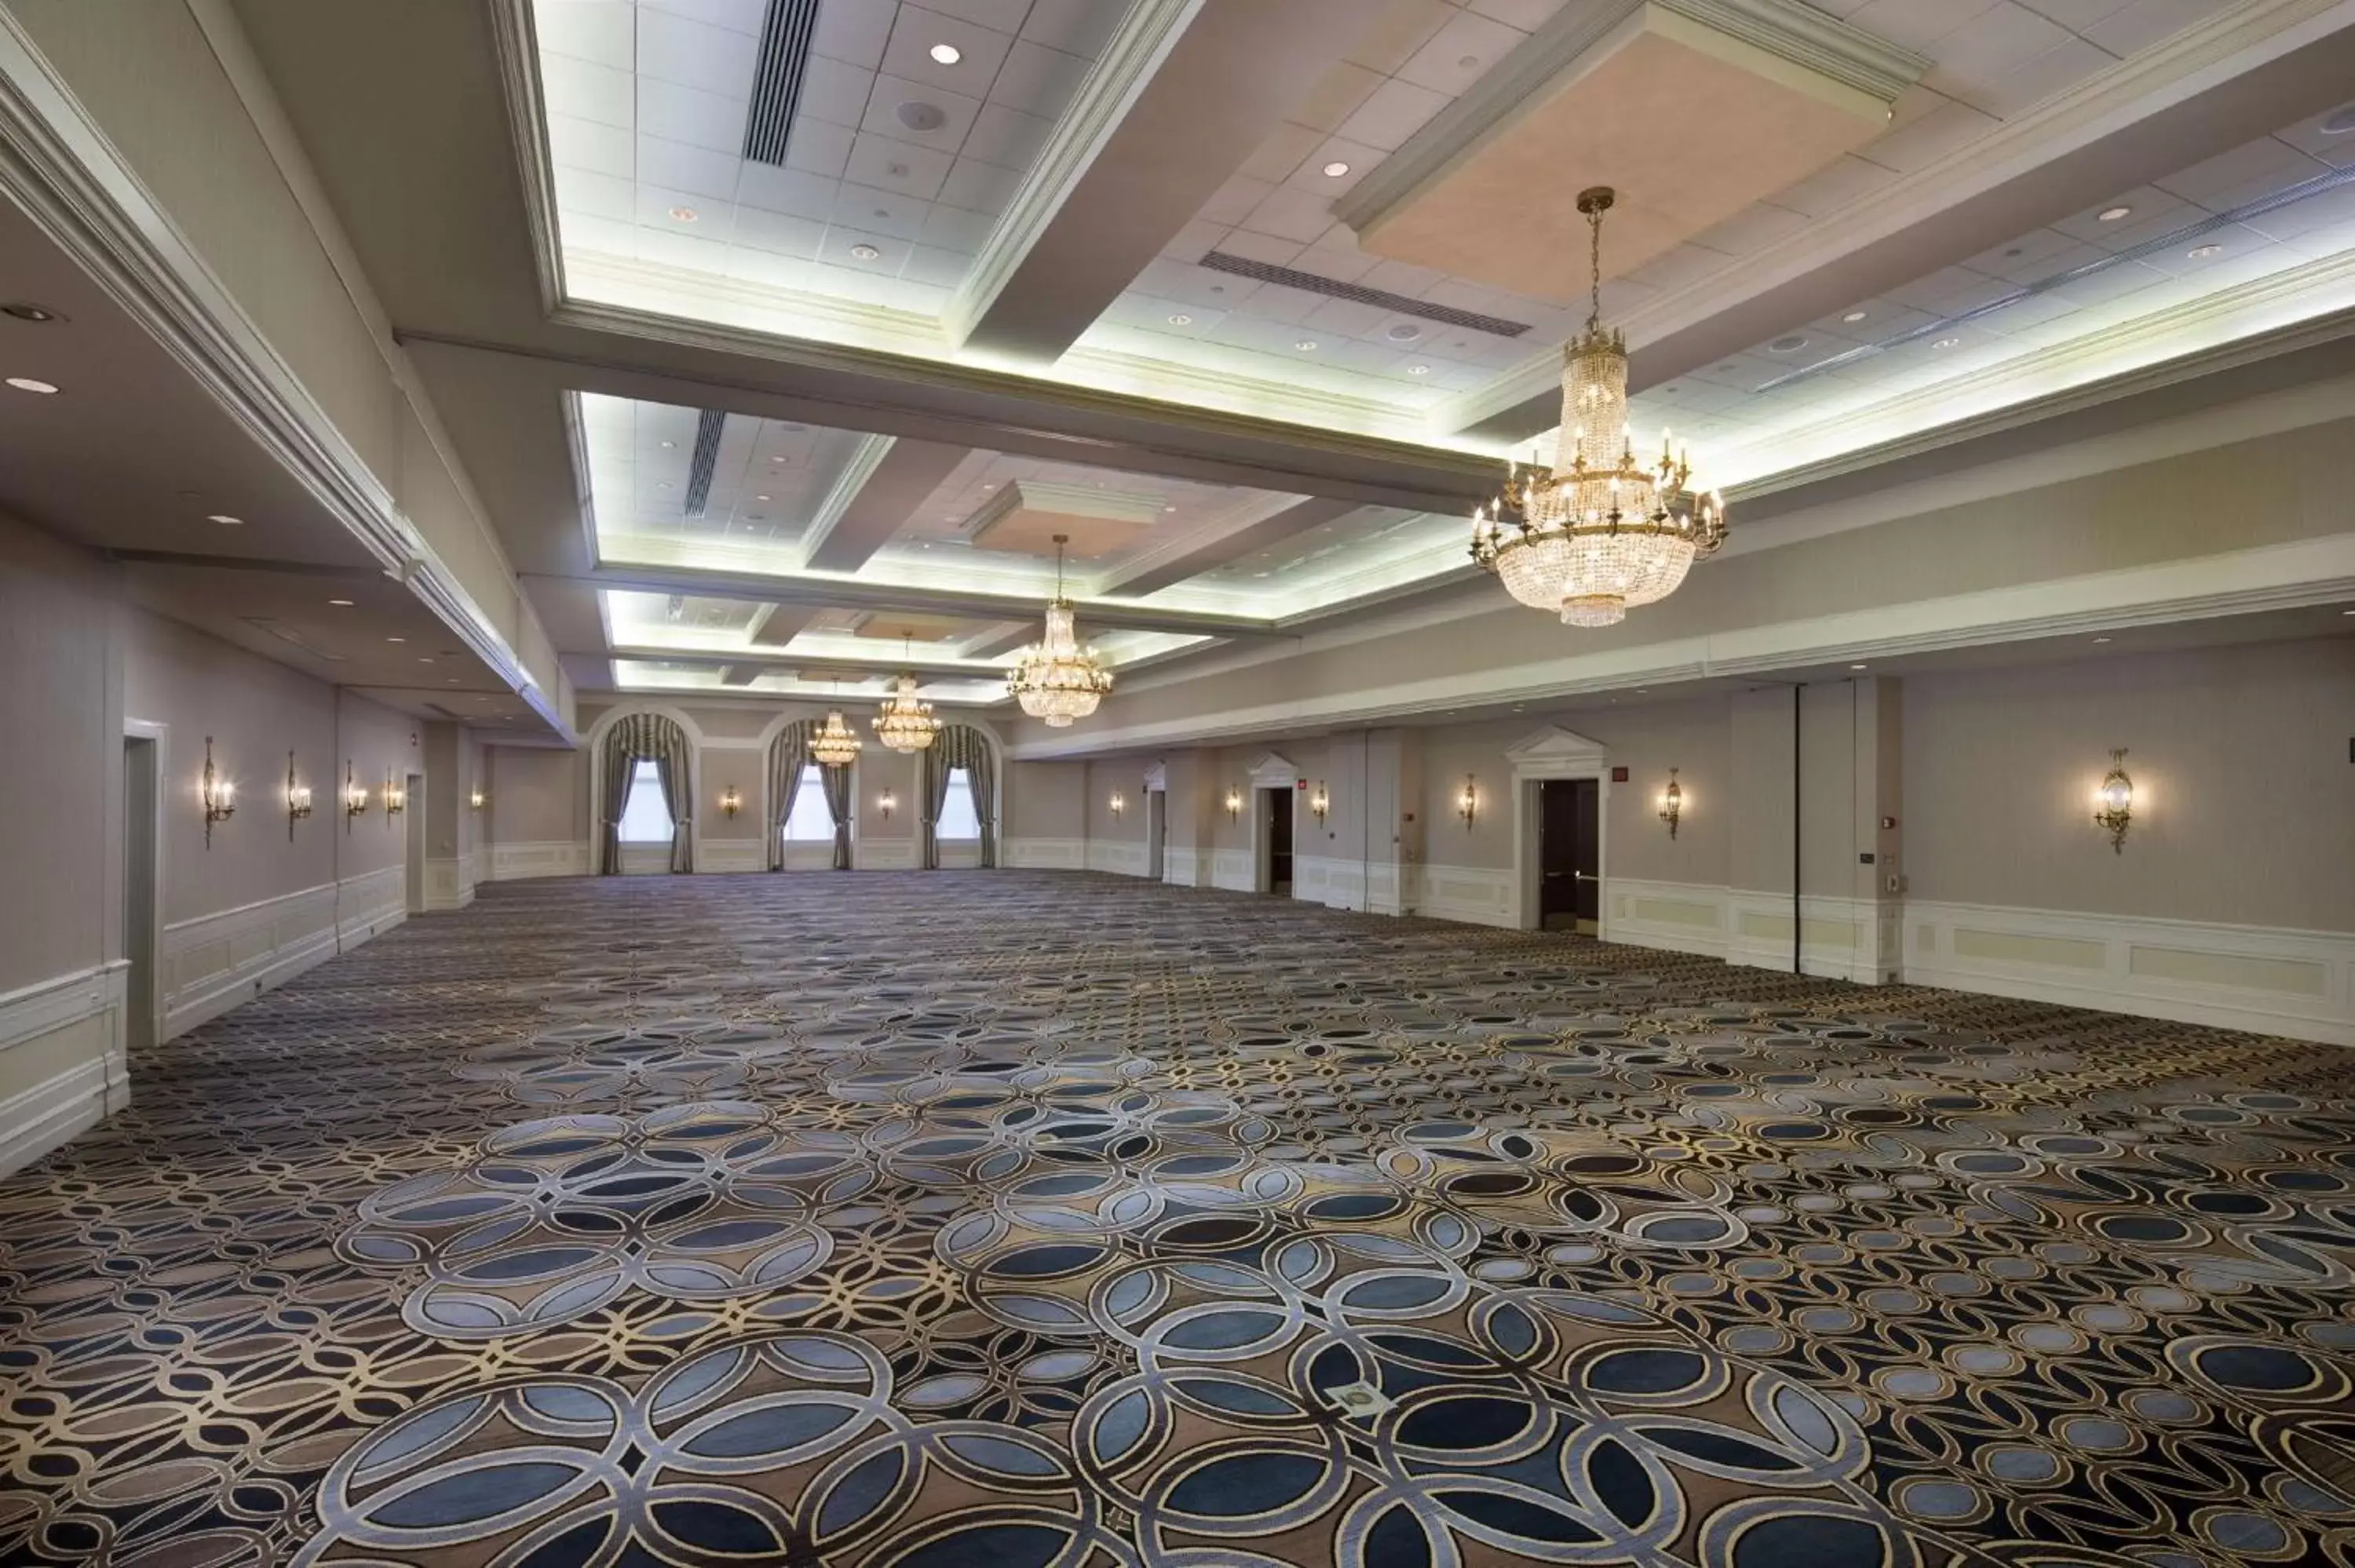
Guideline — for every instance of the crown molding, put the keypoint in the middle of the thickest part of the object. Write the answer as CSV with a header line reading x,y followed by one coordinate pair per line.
x,y
2226,44
71,180
1137,47
1797,34
514,40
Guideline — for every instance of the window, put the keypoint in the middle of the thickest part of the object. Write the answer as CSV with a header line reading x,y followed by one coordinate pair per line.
x,y
958,818
645,819
810,819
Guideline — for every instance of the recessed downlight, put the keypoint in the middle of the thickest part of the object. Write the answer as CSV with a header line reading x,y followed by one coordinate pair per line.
x,y
2100,639
1948,343
2202,252
1304,344
27,384
1789,344
2111,214
667,445
1336,169
226,521
1854,316
1418,370
1858,666
1402,332
26,310
945,54
344,603
396,640
864,252
1181,319
683,215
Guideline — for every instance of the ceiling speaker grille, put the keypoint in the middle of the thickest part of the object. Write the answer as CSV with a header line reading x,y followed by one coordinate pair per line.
x,y
786,34
707,427
1380,299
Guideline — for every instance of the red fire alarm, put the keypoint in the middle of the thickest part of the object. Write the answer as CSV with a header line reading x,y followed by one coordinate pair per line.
x,y
1618,776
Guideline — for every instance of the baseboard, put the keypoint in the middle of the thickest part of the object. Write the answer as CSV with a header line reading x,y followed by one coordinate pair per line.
x,y
215,961
1476,895
2266,980
730,856
1349,884
884,855
449,885
1120,857
1181,868
1232,870
554,857
66,1036
1045,855
1843,938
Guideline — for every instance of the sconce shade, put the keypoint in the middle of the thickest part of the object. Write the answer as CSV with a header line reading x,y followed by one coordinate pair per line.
x,y
2113,803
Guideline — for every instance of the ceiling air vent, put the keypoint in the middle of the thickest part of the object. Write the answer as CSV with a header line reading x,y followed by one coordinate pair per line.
x,y
707,427
785,34
1380,299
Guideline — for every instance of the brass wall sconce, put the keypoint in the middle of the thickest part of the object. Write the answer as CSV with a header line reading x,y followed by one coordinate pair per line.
x,y
1672,802
2113,803
298,799
1467,801
1119,802
1234,804
355,796
218,793
730,801
476,801
886,801
396,796
1320,802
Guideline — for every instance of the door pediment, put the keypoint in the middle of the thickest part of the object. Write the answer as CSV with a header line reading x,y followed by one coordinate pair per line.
x,y
1555,752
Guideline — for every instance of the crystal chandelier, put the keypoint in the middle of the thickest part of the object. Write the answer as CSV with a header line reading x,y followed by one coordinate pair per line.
x,y
835,743
1600,532
904,724
1058,680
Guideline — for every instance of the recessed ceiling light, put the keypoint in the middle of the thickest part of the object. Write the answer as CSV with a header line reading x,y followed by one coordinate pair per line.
x,y
1856,666
1402,332
396,640
425,658
946,54
682,213
919,115
667,445
1948,343
1468,61
26,310
864,252
345,602
759,498
226,521
1181,319
2202,252
1336,169
2339,121
1304,344
1418,370
1169,509
2111,214
27,384
1788,344
2100,639
1854,316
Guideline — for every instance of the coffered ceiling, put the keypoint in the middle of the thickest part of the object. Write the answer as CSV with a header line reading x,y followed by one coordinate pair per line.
x,y
782,337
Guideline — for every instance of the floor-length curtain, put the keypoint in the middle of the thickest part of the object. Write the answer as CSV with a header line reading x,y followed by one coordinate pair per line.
x,y
648,737
788,755
836,781
937,800
983,779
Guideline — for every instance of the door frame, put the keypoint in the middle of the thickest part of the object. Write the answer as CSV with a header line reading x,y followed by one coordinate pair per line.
x,y
1273,771
1157,831
148,1008
416,862
1557,753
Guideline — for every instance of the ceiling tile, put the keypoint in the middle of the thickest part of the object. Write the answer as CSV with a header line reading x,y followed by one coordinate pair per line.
x,y
693,54
1255,245
1336,96
1396,31
2138,27
1284,150
877,211
900,167
792,191
697,171
1918,24
2055,71
1039,80
1395,111
1840,186
1291,214
1529,16
833,91
953,228
1008,136
600,31
908,55
588,91
1000,15
594,145
699,119
1996,42
819,147
1947,128
2253,169
1075,27
737,16
979,186
891,95
1234,201
777,232
1441,63
851,32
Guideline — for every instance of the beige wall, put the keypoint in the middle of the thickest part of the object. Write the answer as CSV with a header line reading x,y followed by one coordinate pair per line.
x,y
1047,800
539,795
2244,793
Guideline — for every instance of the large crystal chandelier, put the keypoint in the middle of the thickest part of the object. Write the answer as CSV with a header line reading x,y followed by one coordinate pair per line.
x,y
1600,532
905,723
1058,680
835,743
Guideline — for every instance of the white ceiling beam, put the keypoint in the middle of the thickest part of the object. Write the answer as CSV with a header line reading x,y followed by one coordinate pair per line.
x,y
880,488
774,625
1191,557
884,660
1185,94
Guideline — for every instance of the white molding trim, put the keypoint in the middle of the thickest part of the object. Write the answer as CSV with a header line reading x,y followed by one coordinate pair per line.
x,y
730,856
857,470
1156,779
1473,894
555,857
1119,857
1553,753
42,1116
1273,771
449,882
1753,927
212,962
1044,854
2265,979
883,854
1230,869
1182,867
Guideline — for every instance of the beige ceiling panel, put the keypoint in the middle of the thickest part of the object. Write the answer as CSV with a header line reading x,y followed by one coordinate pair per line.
x,y
1023,517
1689,124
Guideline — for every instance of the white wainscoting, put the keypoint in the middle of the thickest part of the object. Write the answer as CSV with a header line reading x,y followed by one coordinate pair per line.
x,y
1342,884
1045,855
1477,894
449,884
2267,980
1844,939
884,855
61,1056
1181,868
723,857
959,854
1233,868
1122,857
553,857
215,961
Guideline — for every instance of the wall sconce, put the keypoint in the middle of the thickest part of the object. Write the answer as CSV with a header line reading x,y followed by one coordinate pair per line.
x,y
730,801
2113,803
396,796
886,801
1320,802
1672,802
1119,802
1234,804
1468,804
298,799
476,801
217,794
355,796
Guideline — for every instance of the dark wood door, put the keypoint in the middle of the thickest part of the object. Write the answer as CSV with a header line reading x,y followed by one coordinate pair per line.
x,y
1569,851
1277,804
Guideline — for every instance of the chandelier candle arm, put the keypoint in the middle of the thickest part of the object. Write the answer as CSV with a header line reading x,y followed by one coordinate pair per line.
x,y
1059,680
1600,532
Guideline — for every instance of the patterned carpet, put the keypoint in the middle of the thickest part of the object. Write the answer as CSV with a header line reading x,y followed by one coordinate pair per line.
x,y
859,1220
